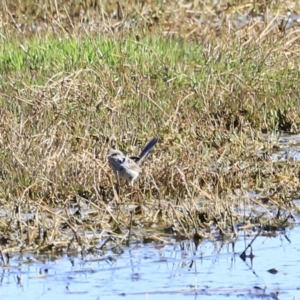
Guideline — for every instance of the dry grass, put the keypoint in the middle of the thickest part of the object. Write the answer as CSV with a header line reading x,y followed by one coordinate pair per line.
x,y
78,82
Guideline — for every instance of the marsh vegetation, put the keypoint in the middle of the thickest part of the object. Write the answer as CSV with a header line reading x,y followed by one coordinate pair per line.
x,y
217,83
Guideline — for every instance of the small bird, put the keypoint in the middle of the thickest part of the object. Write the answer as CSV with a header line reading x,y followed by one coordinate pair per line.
x,y
128,168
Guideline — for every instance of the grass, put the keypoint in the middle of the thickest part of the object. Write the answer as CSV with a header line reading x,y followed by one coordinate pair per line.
x,y
213,94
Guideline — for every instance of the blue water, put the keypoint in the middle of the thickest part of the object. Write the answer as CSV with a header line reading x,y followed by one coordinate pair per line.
x,y
177,271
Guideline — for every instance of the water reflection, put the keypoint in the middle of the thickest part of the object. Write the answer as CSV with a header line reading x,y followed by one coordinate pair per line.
x,y
206,271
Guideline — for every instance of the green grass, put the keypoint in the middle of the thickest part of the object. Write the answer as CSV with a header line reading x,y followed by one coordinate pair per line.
x,y
166,65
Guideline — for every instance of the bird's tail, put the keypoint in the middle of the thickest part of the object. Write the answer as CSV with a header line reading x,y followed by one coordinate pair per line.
x,y
147,148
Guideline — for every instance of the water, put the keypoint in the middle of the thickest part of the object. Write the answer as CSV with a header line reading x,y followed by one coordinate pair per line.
x,y
212,271
289,146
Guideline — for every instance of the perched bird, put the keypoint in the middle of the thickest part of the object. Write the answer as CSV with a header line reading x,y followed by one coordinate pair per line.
x,y
128,168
